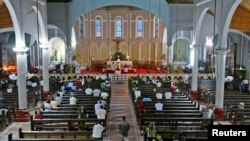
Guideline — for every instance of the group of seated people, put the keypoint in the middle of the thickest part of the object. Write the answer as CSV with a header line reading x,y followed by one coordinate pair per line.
x,y
72,88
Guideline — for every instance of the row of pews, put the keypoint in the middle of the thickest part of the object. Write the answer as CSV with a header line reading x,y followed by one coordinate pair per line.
x,y
63,123
10,103
180,116
234,114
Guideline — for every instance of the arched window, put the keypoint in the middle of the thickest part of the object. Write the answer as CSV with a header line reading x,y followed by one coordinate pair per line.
x,y
98,27
180,51
139,27
81,26
156,27
118,27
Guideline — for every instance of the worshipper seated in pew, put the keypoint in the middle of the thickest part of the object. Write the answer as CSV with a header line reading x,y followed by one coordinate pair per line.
x,y
158,106
104,95
58,98
98,131
53,103
96,92
158,95
88,90
139,102
98,105
38,115
173,89
72,100
101,113
47,106
151,132
244,85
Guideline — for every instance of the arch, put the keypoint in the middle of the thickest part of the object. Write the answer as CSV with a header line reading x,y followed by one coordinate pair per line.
x,y
103,51
152,52
119,28
94,51
17,28
44,38
182,37
50,26
124,48
180,50
2,30
144,52
240,33
78,10
61,55
198,26
227,23
134,51
112,48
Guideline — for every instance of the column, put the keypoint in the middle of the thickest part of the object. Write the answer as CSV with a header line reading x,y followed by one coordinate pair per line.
x,y
22,69
45,71
194,85
220,82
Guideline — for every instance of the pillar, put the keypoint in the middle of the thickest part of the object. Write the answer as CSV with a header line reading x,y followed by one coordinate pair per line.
x,y
220,82
194,85
22,69
45,71
249,82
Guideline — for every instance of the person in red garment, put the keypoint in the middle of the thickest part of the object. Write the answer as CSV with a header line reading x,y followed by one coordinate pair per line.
x,y
172,89
139,102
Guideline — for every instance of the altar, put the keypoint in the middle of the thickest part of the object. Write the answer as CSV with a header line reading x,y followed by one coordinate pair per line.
x,y
122,63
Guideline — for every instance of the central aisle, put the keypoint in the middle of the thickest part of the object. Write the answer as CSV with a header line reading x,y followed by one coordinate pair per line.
x,y
121,105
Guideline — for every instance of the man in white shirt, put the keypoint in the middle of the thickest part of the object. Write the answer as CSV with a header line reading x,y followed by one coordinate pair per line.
x,y
137,94
47,106
96,92
101,113
88,91
168,95
159,95
97,131
159,106
158,84
72,100
104,95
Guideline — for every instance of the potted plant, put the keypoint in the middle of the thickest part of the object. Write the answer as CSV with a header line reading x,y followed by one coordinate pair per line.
x,y
241,72
67,68
170,68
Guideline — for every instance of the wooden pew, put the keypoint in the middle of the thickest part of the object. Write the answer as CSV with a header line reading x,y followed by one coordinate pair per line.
x,y
65,123
10,138
187,134
175,122
55,134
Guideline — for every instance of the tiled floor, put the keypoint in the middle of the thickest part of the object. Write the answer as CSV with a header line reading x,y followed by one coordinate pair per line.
x,y
120,105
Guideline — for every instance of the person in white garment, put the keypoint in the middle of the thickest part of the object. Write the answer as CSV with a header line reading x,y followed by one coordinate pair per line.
x,y
97,131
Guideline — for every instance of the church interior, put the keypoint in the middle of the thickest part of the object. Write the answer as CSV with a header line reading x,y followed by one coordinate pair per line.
x,y
131,70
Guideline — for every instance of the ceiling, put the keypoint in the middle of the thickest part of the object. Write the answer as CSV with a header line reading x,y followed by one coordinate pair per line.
x,y
240,21
246,4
